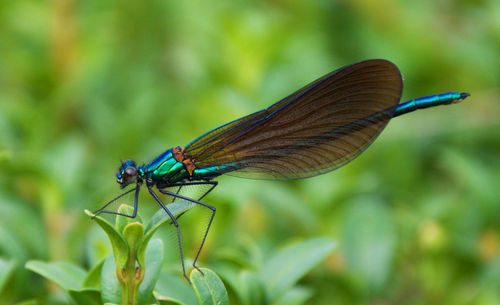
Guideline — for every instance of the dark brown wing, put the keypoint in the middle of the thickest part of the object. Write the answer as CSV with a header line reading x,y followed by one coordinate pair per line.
x,y
314,130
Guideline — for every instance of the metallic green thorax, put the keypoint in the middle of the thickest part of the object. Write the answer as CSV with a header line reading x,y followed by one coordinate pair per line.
x,y
165,169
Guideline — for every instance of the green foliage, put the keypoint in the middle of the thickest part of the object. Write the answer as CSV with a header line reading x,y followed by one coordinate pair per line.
x,y
209,288
84,84
132,275
69,277
369,241
274,281
7,268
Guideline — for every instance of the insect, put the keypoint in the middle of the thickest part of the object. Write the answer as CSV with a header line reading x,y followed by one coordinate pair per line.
x,y
314,130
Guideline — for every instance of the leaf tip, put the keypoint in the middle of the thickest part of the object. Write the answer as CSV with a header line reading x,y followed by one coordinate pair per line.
x,y
89,213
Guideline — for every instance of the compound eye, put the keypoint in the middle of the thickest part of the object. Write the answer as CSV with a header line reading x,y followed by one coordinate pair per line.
x,y
119,175
130,171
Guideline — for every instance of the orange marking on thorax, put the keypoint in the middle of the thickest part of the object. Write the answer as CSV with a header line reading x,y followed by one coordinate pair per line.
x,y
189,164
178,154
180,157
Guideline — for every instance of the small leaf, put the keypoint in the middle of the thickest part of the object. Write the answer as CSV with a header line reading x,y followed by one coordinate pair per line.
x,y
173,289
176,208
93,278
97,245
122,221
66,275
120,247
86,296
209,288
111,291
287,266
133,233
69,277
154,260
231,278
6,269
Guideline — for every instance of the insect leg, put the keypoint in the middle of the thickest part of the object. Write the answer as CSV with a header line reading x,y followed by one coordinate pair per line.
x,y
174,221
209,223
134,214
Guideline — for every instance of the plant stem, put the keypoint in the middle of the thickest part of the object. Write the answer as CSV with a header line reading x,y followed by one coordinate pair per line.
x,y
130,284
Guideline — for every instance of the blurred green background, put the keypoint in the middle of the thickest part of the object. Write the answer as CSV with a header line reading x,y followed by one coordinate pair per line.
x,y
84,84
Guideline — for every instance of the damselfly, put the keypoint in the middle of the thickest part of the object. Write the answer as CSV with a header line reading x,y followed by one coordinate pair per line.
x,y
316,129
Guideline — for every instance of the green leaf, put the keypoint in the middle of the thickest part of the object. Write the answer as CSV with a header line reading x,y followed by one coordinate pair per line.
x,y
251,289
133,233
287,266
174,289
86,296
10,245
93,277
169,302
154,260
17,239
209,288
97,245
176,208
6,270
231,277
66,275
111,290
69,277
295,296
122,221
119,245
243,252
369,240
28,302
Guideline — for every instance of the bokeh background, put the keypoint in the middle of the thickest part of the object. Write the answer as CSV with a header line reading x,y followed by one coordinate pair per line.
x,y
84,84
